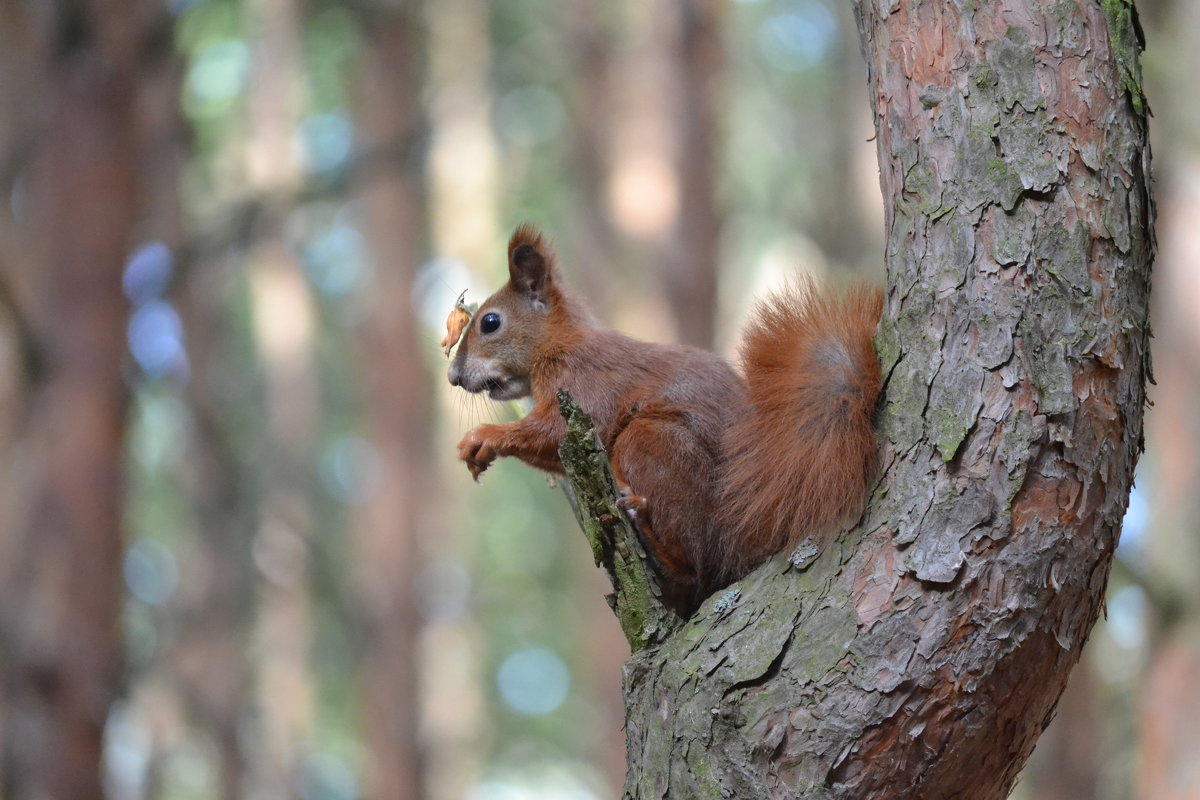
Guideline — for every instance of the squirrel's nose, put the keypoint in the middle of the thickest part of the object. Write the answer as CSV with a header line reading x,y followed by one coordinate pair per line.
x,y
454,374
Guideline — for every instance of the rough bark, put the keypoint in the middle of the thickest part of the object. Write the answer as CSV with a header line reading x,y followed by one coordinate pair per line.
x,y
922,655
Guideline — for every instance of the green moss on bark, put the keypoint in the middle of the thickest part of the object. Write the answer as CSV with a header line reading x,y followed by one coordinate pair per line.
x,y
615,546
1122,33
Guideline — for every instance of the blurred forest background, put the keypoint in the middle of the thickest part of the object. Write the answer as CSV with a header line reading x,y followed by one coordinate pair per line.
x,y
237,556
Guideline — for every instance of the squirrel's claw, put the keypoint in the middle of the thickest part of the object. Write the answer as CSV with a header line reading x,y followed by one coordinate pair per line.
x,y
634,505
477,451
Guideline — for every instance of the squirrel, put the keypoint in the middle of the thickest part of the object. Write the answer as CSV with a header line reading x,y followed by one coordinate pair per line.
x,y
719,472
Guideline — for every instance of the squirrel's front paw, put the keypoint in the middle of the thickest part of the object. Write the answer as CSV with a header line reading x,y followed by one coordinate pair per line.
x,y
477,449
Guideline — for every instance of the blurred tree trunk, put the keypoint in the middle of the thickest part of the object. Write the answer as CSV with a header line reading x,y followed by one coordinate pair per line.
x,y
1168,768
208,659
1170,694
398,416
464,177
688,253
284,329
847,222
665,157
601,270
926,652
1067,763
589,46
690,266
75,101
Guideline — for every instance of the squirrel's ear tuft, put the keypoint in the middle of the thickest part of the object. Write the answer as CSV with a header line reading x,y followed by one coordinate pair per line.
x,y
530,263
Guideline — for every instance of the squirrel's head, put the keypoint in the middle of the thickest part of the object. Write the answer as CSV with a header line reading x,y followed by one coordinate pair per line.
x,y
498,351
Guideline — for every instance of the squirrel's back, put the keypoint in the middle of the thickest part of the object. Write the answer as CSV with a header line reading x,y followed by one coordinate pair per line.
x,y
799,464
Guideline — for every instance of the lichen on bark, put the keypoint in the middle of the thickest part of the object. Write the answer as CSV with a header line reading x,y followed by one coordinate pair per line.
x,y
1125,34
592,492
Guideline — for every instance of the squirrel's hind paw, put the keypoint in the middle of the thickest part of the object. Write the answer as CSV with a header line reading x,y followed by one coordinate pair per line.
x,y
634,505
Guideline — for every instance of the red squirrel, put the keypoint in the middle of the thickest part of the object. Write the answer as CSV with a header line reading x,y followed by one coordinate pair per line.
x,y
719,472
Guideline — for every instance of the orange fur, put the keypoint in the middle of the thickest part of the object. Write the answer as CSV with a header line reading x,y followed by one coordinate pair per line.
x,y
721,473
798,465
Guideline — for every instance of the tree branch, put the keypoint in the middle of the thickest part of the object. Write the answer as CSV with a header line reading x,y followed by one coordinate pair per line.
x,y
592,491
261,216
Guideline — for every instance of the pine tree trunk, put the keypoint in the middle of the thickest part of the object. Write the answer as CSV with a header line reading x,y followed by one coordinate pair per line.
x,y
922,655
284,323
81,84
393,129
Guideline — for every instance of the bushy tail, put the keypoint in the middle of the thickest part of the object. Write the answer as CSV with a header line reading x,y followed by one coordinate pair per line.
x,y
799,465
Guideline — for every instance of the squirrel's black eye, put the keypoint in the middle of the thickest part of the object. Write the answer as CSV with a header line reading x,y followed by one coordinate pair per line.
x,y
490,323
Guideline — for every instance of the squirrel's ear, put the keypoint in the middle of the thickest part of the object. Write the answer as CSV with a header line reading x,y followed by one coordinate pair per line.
x,y
530,264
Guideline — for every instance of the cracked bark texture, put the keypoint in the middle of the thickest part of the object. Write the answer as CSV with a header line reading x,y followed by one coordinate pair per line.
x,y
923,653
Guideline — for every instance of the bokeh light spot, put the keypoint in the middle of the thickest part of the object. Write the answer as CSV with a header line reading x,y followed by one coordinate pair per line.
x,y
799,38
1127,617
177,7
326,141
336,261
533,682
127,749
148,272
324,776
217,76
350,470
156,339
151,572
1133,527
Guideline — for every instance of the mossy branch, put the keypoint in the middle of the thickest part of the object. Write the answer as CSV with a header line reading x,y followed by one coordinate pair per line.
x,y
592,491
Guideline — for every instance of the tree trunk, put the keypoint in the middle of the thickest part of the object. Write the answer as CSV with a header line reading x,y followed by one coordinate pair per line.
x,y
691,254
664,147
208,658
73,167
846,216
1069,759
284,322
590,43
1169,736
922,655
397,413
